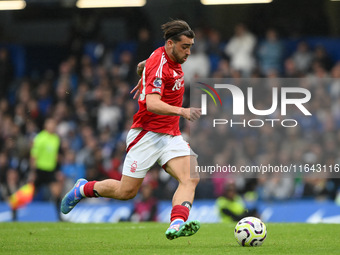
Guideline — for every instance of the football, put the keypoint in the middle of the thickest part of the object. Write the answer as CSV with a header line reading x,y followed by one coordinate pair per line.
x,y
250,231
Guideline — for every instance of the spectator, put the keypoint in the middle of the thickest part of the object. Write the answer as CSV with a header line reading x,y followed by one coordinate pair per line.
x,y
201,44
71,169
125,69
67,78
145,206
303,57
24,92
144,45
90,155
214,49
223,69
197,66
321,56
276,188
270,53
335,83
240,49
33,112
44,98
290,70
318,76
109,115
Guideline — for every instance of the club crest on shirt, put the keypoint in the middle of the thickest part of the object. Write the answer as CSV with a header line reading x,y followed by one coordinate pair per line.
x,y
157,82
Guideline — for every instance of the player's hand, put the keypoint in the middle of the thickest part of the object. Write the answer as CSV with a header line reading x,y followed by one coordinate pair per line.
x,y
136,89
191,114
195,113
140,67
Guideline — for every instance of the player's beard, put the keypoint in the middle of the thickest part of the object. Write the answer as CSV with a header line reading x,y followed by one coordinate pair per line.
x,y
177,57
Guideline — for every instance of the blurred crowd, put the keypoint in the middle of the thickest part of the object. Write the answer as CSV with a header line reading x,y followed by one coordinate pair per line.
x,y
89,97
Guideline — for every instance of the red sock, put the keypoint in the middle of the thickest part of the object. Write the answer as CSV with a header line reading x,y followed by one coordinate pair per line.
x,y
88,189
179,212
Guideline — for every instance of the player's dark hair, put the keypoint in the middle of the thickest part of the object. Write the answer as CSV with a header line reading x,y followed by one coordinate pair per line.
x,y
174,29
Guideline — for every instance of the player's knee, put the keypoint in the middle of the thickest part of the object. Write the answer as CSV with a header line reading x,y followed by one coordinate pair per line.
x,y
191,181
128,194
195,181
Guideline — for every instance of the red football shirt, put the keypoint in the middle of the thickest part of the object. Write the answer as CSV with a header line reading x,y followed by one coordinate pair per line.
x,y
163,76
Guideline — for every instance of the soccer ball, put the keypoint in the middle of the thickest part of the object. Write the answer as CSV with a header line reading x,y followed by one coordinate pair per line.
x,y
250,231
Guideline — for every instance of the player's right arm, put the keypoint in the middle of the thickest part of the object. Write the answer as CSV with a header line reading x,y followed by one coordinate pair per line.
x,y
155,105
154,76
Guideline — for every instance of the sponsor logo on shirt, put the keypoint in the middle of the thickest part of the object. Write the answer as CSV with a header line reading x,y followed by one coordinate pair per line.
x,y
179,83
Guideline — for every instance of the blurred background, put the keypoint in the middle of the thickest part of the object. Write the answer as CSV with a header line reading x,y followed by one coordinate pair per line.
x,y
77,66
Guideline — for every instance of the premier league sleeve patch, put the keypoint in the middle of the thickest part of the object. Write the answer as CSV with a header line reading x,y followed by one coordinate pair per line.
x,y
157,82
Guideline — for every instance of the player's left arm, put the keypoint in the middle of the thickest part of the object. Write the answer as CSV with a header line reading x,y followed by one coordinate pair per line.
x,y
155,105
136,89
140,67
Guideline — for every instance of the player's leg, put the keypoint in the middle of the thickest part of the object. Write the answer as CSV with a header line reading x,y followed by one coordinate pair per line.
x,y
182,169
141,155
124,189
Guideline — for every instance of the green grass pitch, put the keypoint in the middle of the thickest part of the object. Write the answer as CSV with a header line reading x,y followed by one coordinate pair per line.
x,y
149,238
